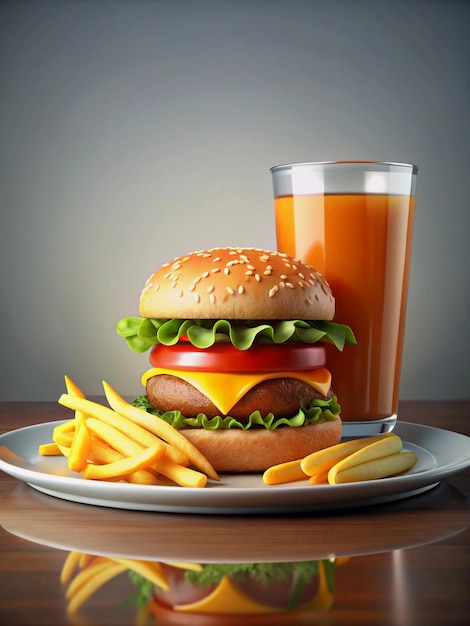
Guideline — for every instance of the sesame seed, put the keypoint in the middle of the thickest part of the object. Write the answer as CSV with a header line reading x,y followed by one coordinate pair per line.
x,y
249,273
226,271
283,277
300,275
167,275
290,285
294,267
180,293
197,298
205,275
176,266
230,290
216,260
212,298
251,267
308,301
156,288
193,287
210,289
300,283
282,284
197,279
206,255
241,289
273,291
267,272
258,277
215,270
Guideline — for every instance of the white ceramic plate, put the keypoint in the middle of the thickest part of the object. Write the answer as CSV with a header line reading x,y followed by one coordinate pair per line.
x,y
441,453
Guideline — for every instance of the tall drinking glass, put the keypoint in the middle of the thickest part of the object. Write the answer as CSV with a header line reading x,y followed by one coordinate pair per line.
x,y
353,221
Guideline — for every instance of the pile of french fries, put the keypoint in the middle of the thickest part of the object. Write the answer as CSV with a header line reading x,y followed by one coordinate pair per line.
x,y
123,442
84,574
368,458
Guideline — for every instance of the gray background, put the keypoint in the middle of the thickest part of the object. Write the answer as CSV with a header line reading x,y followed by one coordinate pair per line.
x,y
132,132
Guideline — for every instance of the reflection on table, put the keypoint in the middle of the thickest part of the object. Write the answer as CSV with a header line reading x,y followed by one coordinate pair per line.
x,y
402,563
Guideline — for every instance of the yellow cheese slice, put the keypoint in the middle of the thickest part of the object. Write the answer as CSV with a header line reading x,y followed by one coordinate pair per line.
x,y
224,390
226,598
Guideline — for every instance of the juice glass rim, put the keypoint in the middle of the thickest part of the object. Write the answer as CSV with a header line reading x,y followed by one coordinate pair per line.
x,y
358,162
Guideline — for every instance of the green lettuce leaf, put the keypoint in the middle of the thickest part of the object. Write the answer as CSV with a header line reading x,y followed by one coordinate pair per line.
x,y
318,411
142,333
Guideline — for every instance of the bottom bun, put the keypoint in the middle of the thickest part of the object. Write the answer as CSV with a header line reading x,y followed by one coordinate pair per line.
x,y
257,449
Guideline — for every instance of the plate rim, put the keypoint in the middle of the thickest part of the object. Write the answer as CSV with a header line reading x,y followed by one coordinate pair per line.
x,y
220,499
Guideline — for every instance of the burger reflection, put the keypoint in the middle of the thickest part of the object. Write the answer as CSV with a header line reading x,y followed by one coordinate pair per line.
x,y
196,594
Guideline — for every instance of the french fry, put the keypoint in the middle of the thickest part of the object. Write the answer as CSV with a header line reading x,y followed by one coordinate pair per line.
x,y
70,564
125,466
81,444
159,427
378,468
107,572
124,443
65,427
284,473
195,567
151,570
65,450
72,388
95,565
108,416
141,477
375,450
49,449
115,438
319,479
85,559
63,434
175,455
80,449
136,432
183,476
323,460
101,453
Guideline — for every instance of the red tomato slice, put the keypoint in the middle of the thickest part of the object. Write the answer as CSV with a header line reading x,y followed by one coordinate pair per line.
x,y
224,357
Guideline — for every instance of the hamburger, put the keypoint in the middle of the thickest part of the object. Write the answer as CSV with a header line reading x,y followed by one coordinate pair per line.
x,y
238,361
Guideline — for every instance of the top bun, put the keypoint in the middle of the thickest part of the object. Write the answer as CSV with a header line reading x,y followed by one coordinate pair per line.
x,y
237,283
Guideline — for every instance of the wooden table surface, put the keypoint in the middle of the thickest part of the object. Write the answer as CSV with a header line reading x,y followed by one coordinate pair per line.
x,y
407,561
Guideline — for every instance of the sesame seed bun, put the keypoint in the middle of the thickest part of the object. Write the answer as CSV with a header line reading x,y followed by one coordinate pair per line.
x,y
237,283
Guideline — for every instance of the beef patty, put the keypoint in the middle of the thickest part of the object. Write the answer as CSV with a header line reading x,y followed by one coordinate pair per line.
x,y
280,396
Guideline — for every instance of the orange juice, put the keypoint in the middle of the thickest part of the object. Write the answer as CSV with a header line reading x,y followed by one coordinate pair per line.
x,y
361,243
